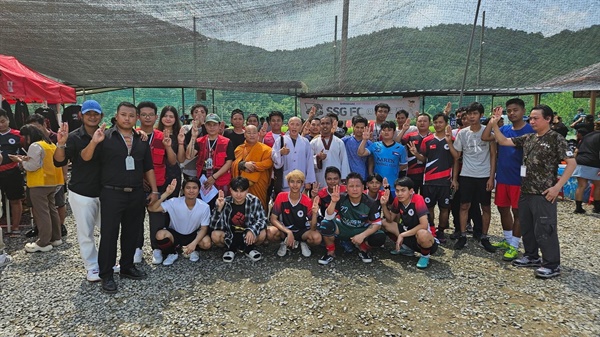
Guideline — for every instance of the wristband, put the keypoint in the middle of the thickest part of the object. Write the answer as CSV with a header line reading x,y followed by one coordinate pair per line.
x,y
156,193
213,176
61,146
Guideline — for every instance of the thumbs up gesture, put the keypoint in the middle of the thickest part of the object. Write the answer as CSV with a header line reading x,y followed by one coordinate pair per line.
x,y
284,150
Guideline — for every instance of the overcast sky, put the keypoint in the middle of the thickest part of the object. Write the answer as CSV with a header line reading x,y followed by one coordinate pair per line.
x,y
291,24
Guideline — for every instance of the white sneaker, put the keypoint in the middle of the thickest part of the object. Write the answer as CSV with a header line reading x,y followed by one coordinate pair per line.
x,y
56,243
137,257
157,256
93,275
33,247
194,256
170,259
282,249
5,260
305,249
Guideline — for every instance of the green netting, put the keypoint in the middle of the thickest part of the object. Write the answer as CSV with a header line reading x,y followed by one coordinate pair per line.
x,y
288,46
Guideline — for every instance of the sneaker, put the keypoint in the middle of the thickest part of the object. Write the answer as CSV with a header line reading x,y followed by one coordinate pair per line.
x,y
33,247
305,249
171,258
157,256
423,262
485,243
326,259
63,230
455,235
510,254
365,256
404,250
137,257
441,236
503,245
56,243
347,245
579,211
544,272
5,260
93,275
32,232
461,243
282,251
527,261
194,256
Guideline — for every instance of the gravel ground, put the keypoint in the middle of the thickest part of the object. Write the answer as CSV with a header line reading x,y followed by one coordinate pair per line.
x,y
467,293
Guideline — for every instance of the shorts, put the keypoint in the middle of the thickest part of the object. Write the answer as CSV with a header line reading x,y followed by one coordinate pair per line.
x,y
473,191
507,195
12,184
59,196
346,232
433,195
180,240
412,243
586,172
298,233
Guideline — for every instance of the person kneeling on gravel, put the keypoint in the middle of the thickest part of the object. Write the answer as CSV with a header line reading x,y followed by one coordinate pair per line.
x,y
188,228
239,221
352,216
414,232
294,218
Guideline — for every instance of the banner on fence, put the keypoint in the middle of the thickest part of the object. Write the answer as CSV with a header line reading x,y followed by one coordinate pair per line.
x,y
348,109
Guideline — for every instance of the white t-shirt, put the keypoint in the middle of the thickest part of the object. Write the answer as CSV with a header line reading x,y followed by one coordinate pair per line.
x,y
184,220
475,152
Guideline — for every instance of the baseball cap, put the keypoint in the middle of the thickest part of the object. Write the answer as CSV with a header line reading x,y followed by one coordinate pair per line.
x,y
212,118
90,105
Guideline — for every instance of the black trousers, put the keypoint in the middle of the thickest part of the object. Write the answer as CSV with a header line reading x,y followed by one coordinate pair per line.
x,y
120,212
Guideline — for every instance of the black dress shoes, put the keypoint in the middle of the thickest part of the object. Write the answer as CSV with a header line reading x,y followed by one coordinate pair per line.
x,y
132,273
109,286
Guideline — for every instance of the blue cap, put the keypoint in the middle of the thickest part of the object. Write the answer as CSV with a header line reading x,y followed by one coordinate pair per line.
x,y
90,105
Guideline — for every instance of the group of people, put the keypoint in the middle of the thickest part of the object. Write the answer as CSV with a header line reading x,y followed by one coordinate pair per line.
x,y
203,185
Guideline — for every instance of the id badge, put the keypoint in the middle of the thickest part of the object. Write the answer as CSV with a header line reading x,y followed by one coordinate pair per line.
x,y
129,163
208,164
523,170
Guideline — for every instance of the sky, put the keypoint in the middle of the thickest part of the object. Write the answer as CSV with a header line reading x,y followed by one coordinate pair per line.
x,y
291,24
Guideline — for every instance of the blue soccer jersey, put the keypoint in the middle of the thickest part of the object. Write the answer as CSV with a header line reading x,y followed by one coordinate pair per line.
x,y
510,158
388,160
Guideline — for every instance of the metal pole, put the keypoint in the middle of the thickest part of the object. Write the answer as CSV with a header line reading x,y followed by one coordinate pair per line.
x,y
213,100
195,51
296,102
343,57
462,87
335,58
182,100
133,95
480,52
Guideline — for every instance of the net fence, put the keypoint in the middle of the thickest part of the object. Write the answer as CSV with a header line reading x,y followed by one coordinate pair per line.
x,y
290,47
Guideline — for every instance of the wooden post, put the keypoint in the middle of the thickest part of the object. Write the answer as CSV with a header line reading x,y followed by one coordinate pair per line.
x,y
536,99
593,102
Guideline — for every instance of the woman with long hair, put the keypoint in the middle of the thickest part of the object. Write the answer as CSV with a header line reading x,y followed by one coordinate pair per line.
x,y
169,120
43,179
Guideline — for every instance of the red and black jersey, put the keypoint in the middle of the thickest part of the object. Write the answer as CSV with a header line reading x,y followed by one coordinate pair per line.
x,y
438,169
325,198
10,143
415,167
294,217
410,214
379,194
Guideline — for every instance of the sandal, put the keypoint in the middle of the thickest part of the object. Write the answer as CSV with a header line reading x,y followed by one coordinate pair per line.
x,y
228,256
254,255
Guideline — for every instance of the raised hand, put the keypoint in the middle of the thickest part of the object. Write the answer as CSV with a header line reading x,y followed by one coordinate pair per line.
x,y
367,134
406,125
448,134
315,206
284,150
312,112
194,129
62,134
98,135
220,200
263,131
383,200
171,187
335,195
181,136
498,111
412,148
167,141
494,120
447,108
315,188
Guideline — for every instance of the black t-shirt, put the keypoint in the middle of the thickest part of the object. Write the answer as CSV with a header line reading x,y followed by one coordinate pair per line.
x,y
588,153
237,222
236,139
71,116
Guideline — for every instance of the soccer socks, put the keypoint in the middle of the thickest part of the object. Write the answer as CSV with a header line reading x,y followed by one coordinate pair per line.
x,y
508,235
514,242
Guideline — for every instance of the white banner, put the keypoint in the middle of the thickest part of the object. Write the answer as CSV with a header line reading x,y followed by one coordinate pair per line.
x,y
348,109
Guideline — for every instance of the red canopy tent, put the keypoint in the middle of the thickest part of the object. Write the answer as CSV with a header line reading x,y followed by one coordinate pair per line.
x,y
19,82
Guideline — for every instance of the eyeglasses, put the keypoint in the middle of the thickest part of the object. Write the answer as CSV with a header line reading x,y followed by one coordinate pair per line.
x,y
147,116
